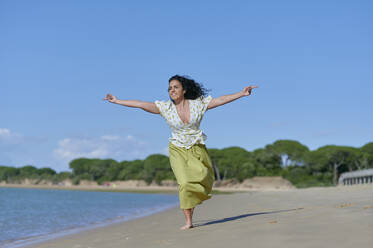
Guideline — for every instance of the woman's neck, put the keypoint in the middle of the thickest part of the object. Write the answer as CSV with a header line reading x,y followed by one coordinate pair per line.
x,y
181,102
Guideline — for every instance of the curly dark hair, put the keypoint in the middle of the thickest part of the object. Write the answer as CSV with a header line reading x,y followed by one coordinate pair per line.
x,y
192,88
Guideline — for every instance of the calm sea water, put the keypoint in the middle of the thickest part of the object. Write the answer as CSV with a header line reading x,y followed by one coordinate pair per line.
x,y
32,215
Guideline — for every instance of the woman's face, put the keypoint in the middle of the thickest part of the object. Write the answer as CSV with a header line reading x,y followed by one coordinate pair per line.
x,y
176,91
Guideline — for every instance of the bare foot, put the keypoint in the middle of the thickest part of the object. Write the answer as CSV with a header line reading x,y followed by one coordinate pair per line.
x,y
187,226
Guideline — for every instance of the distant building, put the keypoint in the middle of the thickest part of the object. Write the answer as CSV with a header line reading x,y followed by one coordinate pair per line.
x,y
356,177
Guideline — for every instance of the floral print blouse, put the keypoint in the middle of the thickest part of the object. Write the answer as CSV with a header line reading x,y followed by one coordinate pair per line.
x,y
185,135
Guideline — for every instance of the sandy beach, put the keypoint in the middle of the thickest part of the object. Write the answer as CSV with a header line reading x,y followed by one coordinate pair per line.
x,y
315,217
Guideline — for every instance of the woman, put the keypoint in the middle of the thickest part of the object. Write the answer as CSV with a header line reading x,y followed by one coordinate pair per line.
x,y
189,159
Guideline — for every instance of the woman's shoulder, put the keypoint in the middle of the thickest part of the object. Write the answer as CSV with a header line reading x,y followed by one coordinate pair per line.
x,y
202,102
163,105
203,99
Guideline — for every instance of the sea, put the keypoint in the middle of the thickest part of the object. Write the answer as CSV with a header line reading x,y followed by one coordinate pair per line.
x,y
29,216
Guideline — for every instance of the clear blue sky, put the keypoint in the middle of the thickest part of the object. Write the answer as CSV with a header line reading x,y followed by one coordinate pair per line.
x,y
312,60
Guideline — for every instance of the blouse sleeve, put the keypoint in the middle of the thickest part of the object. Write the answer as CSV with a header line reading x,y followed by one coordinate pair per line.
x,y
205,102
163,107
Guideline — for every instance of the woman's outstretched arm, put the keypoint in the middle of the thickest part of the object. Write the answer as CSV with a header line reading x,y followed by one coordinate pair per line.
x,y
216,102
147,106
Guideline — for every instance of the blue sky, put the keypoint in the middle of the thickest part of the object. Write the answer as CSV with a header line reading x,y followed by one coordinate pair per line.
x,y
312,61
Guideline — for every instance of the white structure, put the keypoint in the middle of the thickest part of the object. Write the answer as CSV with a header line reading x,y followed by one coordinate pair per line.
x,y
356,177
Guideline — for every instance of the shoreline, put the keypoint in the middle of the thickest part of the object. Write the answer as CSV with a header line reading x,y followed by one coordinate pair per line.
x,y
294,218
35,240
240,219
51,237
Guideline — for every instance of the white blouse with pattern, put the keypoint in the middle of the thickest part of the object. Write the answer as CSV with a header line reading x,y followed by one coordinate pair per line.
x,y
185,135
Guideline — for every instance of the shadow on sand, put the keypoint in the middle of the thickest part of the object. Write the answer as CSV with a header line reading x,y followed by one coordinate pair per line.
x,y
210,222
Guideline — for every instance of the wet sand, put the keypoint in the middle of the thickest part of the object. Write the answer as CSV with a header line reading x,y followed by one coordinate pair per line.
x,y
314,217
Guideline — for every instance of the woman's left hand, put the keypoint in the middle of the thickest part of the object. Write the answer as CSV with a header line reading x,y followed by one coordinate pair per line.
x,y
247,90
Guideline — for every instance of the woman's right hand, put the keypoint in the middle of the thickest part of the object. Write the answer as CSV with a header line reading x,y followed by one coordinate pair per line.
x,y
110,98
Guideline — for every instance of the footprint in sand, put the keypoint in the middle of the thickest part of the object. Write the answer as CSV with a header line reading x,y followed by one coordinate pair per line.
x,y
162,242
344,205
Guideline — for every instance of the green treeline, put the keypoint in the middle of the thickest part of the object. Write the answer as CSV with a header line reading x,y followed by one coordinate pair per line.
x,y
287,158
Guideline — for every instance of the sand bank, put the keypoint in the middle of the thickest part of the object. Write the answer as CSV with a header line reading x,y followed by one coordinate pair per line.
x,y
314,217
169,186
